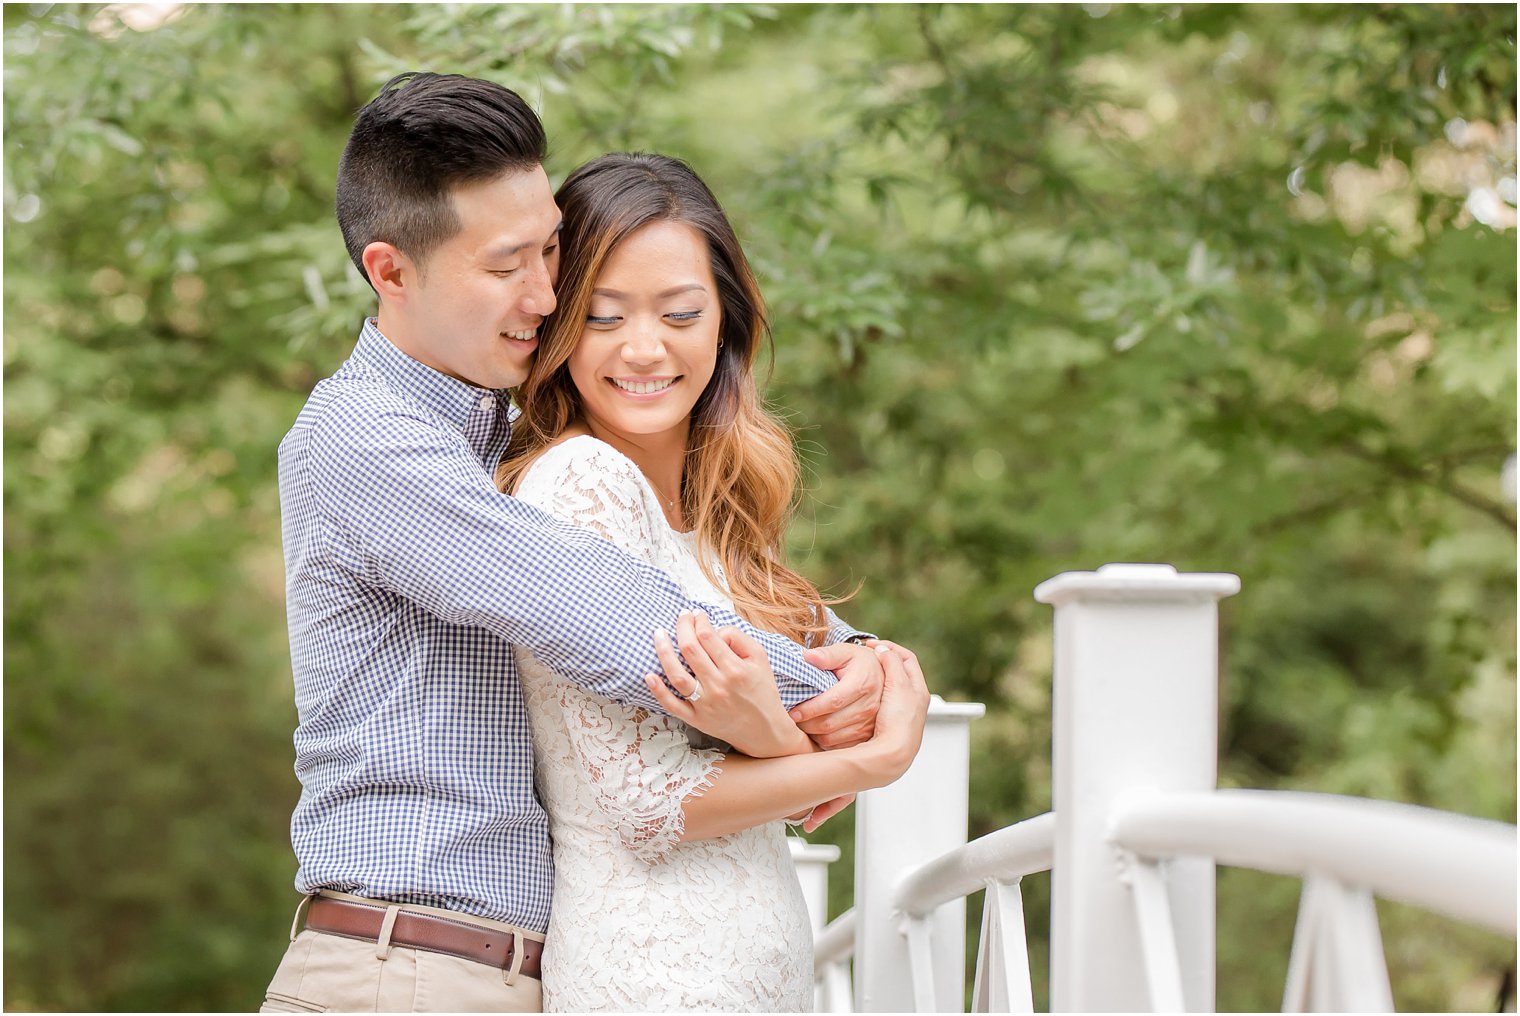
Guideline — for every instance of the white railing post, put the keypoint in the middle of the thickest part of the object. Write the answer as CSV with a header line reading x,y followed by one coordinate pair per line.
x,y
897,828
1136,709
812,862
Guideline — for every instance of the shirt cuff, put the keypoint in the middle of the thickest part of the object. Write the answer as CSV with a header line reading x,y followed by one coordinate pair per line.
x,y
839,631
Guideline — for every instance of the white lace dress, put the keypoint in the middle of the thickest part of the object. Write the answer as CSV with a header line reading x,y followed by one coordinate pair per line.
x,y
641,921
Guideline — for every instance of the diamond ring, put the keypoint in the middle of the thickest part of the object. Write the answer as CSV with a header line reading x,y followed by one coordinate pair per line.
x,y
696,693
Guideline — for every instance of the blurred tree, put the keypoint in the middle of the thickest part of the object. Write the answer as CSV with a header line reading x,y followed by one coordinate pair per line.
x,y
1230,287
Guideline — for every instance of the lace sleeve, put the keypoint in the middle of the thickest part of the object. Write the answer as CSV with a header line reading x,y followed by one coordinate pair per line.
x,y
640,765
595,486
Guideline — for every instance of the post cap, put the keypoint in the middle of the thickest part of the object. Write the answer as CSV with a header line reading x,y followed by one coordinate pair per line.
x,y
941,711
1137,582
816,853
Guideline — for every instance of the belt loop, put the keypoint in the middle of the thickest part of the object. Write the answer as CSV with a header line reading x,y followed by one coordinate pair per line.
x,y
295,922
383,944
517,959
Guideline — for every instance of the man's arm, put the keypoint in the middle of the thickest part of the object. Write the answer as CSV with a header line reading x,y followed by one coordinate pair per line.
x,y
421,517
842,631
845,715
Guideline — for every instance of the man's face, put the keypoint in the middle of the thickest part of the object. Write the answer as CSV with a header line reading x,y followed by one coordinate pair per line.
x,y
473,311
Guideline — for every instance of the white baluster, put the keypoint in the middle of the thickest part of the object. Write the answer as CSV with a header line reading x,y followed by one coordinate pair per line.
x,y
832,949
838,995
1136,708
1002,981
1337,963
920,963
1158,941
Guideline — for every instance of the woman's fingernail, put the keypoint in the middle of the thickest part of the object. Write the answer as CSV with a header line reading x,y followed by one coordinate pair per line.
x,y
880,648
662,635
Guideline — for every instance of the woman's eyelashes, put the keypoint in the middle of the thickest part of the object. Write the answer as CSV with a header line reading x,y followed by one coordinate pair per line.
x,y
677,317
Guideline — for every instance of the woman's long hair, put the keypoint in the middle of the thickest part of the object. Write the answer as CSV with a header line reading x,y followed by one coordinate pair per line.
x,y
739,483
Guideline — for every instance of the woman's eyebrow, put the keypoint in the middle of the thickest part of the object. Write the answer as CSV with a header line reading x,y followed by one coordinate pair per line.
x,y
618,294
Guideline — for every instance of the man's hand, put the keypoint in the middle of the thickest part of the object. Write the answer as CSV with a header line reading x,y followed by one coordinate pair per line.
x,y
825,811
844,715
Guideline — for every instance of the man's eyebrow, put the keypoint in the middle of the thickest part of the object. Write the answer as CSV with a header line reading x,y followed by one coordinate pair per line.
x,y
618,294
506,252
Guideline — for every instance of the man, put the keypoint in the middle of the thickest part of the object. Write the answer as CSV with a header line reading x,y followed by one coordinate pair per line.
x,y
422,848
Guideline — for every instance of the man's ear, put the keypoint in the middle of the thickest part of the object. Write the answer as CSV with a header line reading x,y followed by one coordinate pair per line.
x,y
391,272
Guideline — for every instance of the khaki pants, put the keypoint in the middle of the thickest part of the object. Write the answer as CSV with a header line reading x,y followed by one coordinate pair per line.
x,y
330,973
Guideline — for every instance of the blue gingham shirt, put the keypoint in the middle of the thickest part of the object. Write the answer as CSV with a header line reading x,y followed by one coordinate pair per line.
x,y
408,579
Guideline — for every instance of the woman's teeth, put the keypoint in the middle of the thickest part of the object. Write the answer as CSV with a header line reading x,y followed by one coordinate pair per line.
x,y
643,387
522,336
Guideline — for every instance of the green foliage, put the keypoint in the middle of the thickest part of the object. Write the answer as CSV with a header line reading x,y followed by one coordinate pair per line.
x,y
1226,286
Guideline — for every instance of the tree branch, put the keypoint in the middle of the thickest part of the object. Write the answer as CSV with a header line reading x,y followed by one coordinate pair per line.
x,y
1441,482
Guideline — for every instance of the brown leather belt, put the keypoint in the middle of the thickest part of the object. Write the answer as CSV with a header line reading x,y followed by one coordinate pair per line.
x,y
423,931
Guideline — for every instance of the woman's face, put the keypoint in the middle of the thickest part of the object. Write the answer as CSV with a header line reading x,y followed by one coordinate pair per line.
x,y
650,342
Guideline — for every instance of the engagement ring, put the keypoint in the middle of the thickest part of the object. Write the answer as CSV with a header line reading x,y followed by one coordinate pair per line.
x,y
696,692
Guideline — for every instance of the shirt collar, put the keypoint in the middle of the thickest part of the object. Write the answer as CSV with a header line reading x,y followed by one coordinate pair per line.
x,y
481,413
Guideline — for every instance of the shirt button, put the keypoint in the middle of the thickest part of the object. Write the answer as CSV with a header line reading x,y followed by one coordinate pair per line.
x,y
487,402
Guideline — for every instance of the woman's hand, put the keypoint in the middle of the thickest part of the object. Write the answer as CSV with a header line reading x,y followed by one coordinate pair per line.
x,y
900,719
726,688
903,734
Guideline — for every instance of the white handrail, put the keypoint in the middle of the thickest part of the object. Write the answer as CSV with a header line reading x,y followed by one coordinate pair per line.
x,y
1006,855
835,943
1141,828
1385,847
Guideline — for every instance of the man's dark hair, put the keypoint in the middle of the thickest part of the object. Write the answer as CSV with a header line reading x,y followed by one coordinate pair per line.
x,y
421,137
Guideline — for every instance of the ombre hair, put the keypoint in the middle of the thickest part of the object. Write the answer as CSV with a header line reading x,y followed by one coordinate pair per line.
x,y
739,482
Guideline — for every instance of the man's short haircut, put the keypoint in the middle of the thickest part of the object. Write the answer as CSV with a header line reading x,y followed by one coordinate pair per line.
x,y
422,136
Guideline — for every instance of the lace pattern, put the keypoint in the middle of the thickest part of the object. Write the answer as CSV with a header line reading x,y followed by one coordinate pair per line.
x,y
640,920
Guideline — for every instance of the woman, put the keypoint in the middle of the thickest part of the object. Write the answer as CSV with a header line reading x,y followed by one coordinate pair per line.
x,y
674,888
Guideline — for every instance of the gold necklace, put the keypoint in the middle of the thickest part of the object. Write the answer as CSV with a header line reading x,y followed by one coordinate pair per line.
x,y
670,502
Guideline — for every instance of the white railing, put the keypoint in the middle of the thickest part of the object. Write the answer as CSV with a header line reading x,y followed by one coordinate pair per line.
x,y
832,950
996,863
1347,851
1132,844
1387,848
812,861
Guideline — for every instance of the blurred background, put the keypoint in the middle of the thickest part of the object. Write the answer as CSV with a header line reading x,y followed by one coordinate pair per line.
x,y
1229,287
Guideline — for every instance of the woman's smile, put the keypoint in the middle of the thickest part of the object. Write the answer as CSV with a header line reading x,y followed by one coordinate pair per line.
x,y
643,387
